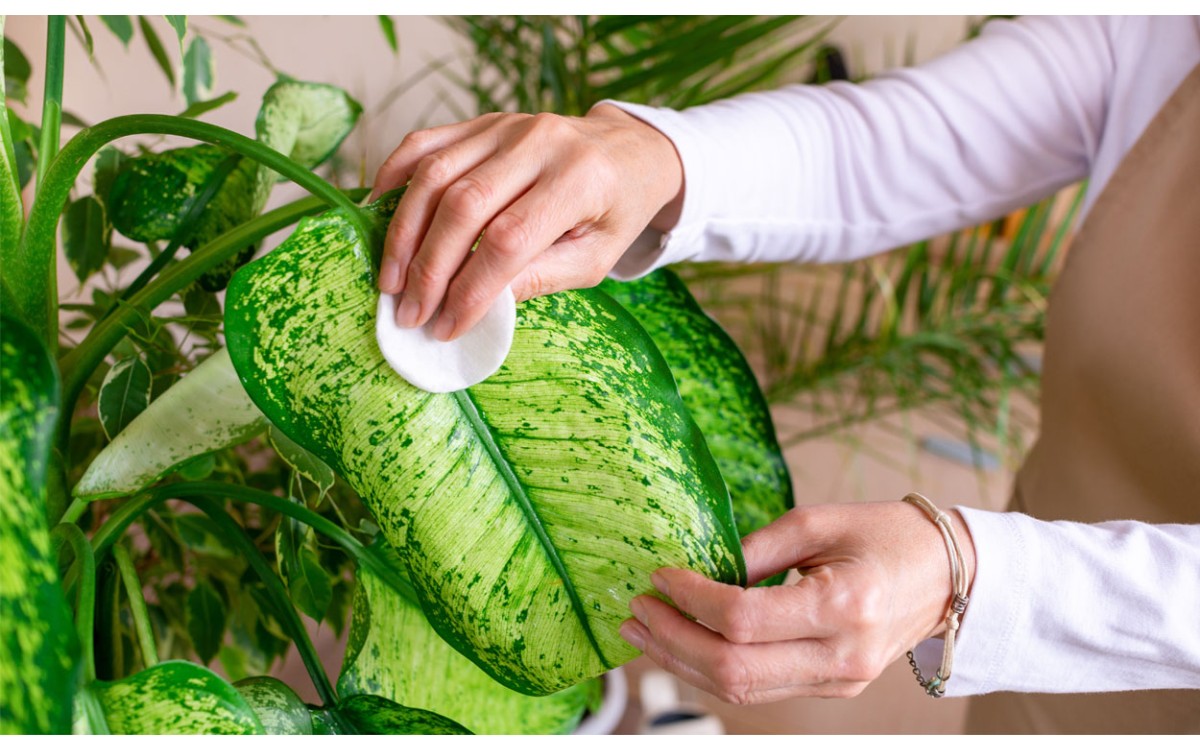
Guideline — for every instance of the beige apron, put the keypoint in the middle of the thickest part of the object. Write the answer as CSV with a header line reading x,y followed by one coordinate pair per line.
x,y
1120,428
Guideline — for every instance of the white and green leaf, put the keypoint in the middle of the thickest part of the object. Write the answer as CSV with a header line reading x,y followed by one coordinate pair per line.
x,y
530,509
174,697
207,410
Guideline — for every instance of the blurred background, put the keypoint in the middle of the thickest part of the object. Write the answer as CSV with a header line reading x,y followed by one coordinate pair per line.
x,y
914,370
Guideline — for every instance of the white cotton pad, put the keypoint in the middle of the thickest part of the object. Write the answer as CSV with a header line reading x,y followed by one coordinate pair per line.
x,y
445,366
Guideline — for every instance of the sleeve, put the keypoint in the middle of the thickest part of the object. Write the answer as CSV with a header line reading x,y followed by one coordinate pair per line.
x,y
1062,607
837,172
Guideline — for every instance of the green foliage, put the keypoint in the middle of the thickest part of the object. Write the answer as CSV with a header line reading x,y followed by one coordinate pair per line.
x,y
37,648
120,26
205,621
124,394
199,71
174,697
488,522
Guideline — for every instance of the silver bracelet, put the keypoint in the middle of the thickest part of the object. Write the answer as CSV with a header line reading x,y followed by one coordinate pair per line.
x,y
935,686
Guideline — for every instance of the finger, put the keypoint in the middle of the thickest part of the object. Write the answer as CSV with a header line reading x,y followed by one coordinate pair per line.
x,y
518,235
466,208
572,262
755,615
434,173
640,638
738,673
785,543
400,165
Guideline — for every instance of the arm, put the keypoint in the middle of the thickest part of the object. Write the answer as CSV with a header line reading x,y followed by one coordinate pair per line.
x,y
1055,606
837,172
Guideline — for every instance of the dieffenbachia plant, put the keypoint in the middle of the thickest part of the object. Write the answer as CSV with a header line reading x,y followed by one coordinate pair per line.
x,y
511,523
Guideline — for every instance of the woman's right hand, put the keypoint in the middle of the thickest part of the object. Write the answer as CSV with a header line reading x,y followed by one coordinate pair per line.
x,y
557,200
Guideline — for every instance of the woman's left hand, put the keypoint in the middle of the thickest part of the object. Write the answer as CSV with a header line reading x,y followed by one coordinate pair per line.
x,y
876,582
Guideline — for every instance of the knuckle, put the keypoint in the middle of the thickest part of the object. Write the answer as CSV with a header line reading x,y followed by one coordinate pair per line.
x,y
550,125
472,297
422,274
415,141
435,169
738,623
508,235
860,668
731,678
467,198
849,690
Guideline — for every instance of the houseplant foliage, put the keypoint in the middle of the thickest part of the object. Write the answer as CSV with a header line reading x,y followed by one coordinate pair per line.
x,y
206,500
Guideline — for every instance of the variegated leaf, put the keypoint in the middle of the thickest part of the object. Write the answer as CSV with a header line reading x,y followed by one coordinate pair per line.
x,y
206,410
529,509
174,697
37,643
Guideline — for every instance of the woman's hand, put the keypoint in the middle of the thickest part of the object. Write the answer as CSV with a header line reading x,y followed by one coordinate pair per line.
x,y
876,582
557,200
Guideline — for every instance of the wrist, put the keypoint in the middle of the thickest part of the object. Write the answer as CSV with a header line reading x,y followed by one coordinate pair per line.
x,y
662,164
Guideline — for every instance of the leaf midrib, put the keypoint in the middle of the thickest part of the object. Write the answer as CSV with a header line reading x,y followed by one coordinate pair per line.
x,y
469,409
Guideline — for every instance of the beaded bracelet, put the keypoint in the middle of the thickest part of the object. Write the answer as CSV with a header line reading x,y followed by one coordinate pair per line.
x,y
935,686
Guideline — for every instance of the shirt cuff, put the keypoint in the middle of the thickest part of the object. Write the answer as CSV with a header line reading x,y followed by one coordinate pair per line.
x,y
654,249
999,596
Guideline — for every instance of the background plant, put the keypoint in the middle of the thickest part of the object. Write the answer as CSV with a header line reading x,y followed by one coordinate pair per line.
x,y
951,323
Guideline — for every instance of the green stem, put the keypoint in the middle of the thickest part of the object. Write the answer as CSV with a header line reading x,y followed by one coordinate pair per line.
x,y
35,262
86,603
137,606
78,365
276,594
56,28
369,559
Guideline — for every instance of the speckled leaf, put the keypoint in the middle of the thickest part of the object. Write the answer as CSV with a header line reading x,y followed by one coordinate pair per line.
x,y
395,653
307,121
370,714
199,71
206,410
37,648
175,697
720,391
278,707
86,236
530,508
303,462
124,394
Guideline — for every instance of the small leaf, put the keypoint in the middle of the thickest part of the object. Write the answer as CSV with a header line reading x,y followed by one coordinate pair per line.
x,y
278,707
200,467
157,50
199,72
119,257
179,23
305,463
198,108
109,162
88,42
26,163
389,32
370,714
16,72
201,536
309,586
124,394
202,307
121,26
205,621
74,120
233,20
86,235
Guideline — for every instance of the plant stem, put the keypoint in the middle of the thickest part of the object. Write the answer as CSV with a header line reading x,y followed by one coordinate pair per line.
x,y
75,511
86,603
276,594
78,365
137,606
366,557
56,27
34,264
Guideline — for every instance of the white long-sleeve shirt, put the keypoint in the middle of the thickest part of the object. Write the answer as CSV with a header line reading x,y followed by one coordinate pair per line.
x,y
838,172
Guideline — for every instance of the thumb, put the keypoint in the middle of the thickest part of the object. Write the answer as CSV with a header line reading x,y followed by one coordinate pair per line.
x,y
783,544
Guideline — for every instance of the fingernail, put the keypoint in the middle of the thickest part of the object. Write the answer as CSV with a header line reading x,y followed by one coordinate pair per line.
x,y
631,635
443,327
638,609
660,583
389,276
408,312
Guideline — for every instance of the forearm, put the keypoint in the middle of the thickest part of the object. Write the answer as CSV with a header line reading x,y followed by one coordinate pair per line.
x,y
832,173
1069,607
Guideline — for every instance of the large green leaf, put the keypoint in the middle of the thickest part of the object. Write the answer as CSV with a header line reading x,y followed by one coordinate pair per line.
x,y
528,509
394,652
207,410
37,649
307,121
174,697
720,391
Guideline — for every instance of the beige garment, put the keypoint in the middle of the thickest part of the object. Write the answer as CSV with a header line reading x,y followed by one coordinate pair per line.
x,y
1120,432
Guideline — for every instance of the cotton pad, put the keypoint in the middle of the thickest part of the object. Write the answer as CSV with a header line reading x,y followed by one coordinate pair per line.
x,y
445,366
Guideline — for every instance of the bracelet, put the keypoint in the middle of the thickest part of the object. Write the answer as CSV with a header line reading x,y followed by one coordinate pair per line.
x,y
935,686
